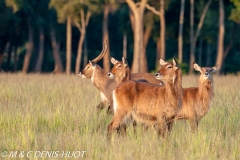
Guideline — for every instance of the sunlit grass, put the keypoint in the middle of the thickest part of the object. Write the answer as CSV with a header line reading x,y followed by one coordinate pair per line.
x,y
58,112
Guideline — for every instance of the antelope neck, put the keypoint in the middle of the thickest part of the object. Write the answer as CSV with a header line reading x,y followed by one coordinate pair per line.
x,y
100,78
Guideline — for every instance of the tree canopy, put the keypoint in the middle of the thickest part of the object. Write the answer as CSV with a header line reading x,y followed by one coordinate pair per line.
x,y
20,18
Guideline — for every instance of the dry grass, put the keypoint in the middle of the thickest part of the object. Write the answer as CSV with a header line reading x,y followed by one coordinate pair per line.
x,y
58,113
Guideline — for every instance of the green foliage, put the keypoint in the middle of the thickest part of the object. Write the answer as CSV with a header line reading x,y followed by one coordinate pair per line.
x,y
72,8
15,4
235,14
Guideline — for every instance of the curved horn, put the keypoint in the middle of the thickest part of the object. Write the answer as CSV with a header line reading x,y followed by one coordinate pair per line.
x,y
100,56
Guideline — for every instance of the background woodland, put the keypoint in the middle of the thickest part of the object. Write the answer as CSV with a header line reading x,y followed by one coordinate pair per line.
x,y
60,36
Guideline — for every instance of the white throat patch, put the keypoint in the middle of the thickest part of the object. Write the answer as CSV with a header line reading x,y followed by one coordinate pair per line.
x,y
92,78
114,102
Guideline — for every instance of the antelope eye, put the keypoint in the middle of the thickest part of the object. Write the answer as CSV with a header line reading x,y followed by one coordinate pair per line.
x,y
169,67
119,66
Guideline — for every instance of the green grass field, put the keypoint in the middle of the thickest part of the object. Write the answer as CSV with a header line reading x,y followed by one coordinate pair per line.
x,y
58,113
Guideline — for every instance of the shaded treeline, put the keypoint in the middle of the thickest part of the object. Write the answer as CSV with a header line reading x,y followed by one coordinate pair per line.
x,y
61,35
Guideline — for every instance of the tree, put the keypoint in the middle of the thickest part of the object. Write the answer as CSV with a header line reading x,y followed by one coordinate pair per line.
x,y
81,25
193,37
77,12
180,32
58,67
161,42
234,16
138,12
110,6
192,56
5,21
42,13
220,51
162,29
65,12
27,7
106,58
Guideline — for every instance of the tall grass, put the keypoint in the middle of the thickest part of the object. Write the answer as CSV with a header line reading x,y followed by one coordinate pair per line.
x,y
58,113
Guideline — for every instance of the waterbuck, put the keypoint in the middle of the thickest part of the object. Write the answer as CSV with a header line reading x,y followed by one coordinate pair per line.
x,y
197,100
101,81
147,103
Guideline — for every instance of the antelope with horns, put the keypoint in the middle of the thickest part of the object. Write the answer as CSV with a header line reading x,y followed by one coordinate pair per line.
x,y
98,76
197,100
101,81
147,103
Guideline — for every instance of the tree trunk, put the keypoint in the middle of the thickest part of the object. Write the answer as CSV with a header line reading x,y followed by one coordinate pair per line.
x,y
1,60
137,40
141,59
15,60
192,55
233,35
29,47
131,17
220,36
125,45
230,44
79,54
69,45
158,56
162,29
200,52
144,64
138,65
3,44
146,36
85,60
180,32
106,58
9,56
41,50
209,54
148,30
200,24
55,49
82,29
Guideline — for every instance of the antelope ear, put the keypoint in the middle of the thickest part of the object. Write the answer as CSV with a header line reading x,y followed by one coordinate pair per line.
x,y
114,61
162,62
197,67
90,63
214,69
124,60
175,63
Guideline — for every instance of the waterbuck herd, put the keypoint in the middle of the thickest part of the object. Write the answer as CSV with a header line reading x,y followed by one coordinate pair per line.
x,y
147,99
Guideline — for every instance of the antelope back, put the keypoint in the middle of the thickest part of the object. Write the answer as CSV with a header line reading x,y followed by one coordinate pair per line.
x,y
88,71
